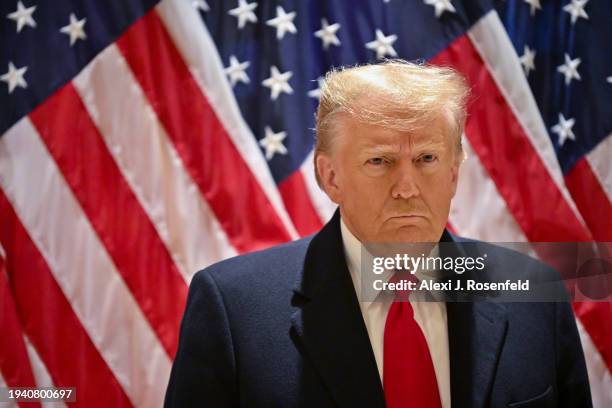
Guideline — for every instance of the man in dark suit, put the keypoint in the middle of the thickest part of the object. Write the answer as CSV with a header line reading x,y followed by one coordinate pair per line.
x,y
287,327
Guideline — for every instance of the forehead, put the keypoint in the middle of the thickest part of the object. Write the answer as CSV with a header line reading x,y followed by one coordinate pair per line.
x,y
363,135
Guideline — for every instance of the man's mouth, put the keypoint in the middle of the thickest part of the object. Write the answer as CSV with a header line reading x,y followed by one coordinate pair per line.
x,y
407,216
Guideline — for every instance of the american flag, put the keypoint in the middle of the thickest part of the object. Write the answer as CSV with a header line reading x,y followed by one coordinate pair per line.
x,y
144,140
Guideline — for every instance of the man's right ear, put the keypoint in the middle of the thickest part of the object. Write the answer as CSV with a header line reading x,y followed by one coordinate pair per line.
x,y
328,177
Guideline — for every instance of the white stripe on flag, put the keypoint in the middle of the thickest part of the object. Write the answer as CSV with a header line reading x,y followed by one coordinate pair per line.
x,y
41,374
600,159
197,48
5,404
323,205
599,375
493,44
150,164
87,276
477,194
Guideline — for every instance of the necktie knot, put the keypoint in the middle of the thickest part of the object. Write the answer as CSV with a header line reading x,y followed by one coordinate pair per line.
x,y
404,283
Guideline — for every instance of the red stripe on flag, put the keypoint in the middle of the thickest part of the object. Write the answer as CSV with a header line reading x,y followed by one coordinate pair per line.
x,y
591,200
596,319
212,160
114,211
508,156
50,323
14,361
299,205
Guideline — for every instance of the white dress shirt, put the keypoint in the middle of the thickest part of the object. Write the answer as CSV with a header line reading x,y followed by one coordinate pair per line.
x,y
430,316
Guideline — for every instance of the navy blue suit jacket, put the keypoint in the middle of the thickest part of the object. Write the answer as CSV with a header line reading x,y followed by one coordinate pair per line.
x,y
283,328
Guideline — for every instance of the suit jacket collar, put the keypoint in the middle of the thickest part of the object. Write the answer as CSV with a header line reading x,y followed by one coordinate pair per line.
x,y
329,326
332,334
324,262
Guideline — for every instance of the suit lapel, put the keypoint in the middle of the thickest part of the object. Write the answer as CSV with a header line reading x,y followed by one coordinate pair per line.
x,y
329,327
476,333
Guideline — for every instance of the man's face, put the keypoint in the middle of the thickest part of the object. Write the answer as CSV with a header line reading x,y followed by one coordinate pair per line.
x,y
391,186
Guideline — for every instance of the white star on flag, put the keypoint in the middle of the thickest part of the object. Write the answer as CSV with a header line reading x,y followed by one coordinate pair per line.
x,y
327,33
283,22
273,143
237,71
564,129
200,5
570,69
74,29
14,77
576,10
23,16
527,59
440,6
383,45
533,6
278,82
244,13
316,93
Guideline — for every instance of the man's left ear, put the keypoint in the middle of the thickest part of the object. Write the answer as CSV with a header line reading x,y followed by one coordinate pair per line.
x,y
455,174
458,157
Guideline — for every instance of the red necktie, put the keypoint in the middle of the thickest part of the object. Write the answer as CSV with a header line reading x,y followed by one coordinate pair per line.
x,y
409,379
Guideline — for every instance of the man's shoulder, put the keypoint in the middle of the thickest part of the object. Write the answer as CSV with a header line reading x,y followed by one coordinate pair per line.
x,y
272,266
509,259
513,264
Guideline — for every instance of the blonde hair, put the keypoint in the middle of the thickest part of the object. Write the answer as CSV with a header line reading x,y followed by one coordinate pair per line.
x,y
394,94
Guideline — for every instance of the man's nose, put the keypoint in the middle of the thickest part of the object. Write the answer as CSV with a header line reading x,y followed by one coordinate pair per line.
x,y
405,185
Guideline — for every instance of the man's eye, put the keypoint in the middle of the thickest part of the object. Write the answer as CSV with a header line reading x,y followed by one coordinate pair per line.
x,y
428,158
376,161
